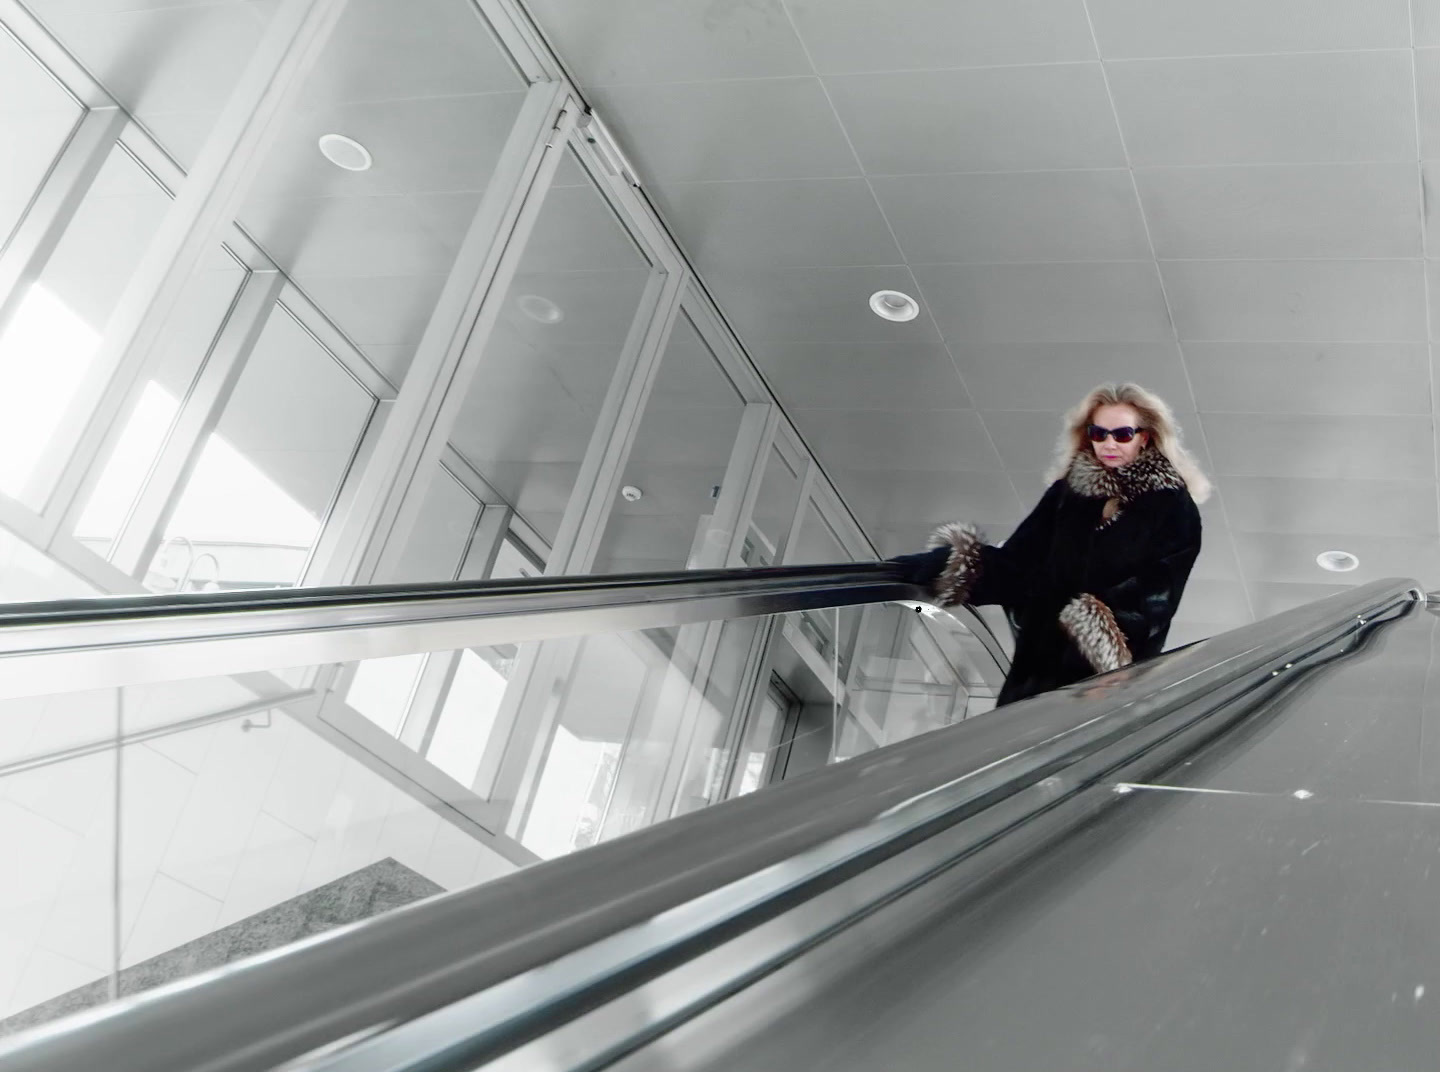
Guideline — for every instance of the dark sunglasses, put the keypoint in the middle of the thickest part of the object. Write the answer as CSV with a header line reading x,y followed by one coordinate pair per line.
x,y
1121,435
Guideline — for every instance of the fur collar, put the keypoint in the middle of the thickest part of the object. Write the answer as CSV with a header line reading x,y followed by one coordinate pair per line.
x,y
1151,471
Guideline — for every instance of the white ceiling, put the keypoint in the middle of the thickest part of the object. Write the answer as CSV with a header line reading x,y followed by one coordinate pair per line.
x,y
1218,198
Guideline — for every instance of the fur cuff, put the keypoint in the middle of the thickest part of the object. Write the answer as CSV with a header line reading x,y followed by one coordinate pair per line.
x,y
962,568
1092,626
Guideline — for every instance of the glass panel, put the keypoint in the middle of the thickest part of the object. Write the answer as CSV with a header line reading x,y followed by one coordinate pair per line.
x,y
426,90
263,485
510,561
48,349
243,826
36,118
57,827
900,684
816,543
462,732
437,544
678,461
528,419
192,331
381,689
172,66
774,511
27,574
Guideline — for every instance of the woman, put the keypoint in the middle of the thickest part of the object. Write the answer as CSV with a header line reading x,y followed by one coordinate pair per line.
x,y
1092,577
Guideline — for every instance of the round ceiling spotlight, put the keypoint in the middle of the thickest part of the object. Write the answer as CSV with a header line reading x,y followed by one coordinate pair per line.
x,y
541,310
630,493
893,305
1337,561
345,152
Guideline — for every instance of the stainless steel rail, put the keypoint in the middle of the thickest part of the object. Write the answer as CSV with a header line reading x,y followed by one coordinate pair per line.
x,y
713,872
102,643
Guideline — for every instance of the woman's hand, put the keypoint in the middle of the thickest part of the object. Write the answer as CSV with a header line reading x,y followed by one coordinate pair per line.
x,y
923,568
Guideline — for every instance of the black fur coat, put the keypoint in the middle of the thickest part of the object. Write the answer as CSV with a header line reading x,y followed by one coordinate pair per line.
x,y
1085,594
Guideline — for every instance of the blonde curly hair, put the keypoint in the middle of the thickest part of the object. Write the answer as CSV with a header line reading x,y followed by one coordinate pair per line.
x,y
1155,417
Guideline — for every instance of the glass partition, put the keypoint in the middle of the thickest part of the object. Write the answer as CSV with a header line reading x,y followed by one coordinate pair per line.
x,y
49,346
677,463
547,367
263,485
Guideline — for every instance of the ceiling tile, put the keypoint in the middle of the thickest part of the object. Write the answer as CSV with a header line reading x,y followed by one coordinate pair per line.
x,y
928,498
1322,377
1063,303
1427,89
841,375
860,35
991,119
1284,445
1215,602
1028,216
635,41
1144,28
427,145
169,59
764,129
1025,439
386,310
1295,506
1427,21
1335,210
1055,376
380,50
888,442
815,305
1183,633
1290,559
1271,599
796,222
1272,109
1217,560
1356,301
346,236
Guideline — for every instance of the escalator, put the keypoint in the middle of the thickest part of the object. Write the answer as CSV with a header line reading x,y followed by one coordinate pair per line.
x,y
1218,859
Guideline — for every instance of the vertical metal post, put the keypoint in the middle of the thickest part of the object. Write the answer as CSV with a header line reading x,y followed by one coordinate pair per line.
x,y
200,216
390,491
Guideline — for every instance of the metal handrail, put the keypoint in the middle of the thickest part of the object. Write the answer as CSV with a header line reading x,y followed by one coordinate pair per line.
x,y
129,640
418,961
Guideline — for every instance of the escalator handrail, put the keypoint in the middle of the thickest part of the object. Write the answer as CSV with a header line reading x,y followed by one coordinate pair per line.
x,y
127,640
396,967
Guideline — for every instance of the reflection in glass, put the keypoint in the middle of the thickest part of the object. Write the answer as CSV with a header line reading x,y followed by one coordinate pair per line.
x,y
190,335
268,474
441,535
48,348
528,418
36,118
774,511
678,460
425,87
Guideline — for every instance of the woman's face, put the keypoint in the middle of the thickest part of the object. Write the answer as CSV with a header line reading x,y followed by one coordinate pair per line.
x,y
1111,453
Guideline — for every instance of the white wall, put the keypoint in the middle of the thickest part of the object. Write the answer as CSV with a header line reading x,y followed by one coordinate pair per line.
x,y
216,824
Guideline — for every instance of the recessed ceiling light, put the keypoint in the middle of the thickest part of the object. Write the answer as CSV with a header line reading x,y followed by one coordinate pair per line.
x,y
893,305
630,493
345,152
541,310
1337,561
